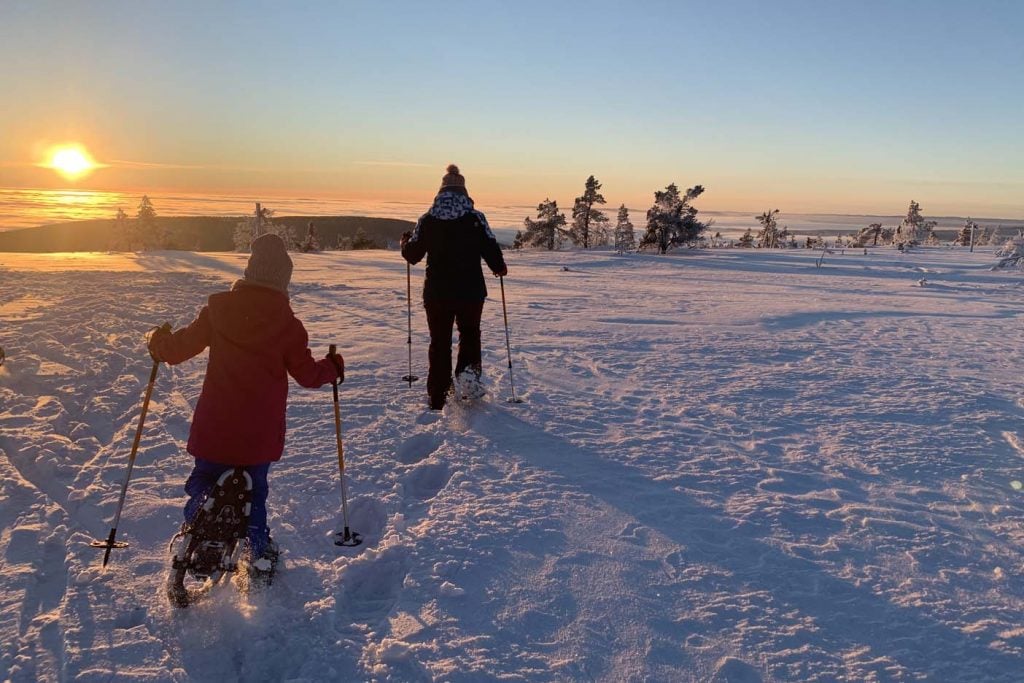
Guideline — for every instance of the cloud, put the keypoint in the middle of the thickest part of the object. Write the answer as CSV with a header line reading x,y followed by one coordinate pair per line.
x,y
409,164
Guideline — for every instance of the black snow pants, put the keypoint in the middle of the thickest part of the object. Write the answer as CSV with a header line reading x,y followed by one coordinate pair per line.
x,y
441,315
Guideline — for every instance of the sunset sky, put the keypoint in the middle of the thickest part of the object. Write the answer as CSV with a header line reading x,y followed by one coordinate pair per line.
x,y
846,107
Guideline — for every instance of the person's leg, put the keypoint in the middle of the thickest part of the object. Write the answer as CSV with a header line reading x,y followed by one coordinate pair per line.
x,y
259,532
440,318
199,484
467,318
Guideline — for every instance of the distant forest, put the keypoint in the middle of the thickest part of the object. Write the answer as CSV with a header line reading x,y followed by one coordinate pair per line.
x,y
197,233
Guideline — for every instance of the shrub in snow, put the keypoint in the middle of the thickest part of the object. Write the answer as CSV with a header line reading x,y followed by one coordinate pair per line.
x,y
1011,254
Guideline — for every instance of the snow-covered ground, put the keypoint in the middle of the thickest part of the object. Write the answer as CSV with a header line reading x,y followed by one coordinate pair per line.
x,y
730,466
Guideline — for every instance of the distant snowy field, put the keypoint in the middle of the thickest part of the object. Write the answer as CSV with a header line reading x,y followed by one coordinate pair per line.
x,y
730,466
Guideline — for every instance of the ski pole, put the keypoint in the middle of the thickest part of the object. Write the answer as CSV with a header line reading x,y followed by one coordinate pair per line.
x,y
348,538
410,378
508,346
110,543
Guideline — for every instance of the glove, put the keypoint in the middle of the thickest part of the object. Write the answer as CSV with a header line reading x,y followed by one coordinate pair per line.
x,y
339,365
501,273
155,337
406,236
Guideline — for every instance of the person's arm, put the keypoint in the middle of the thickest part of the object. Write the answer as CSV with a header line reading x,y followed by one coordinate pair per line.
x,y
414,245
177,347
489,247
299,361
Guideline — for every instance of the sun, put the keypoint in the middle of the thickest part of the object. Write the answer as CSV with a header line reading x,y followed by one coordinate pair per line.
x,y
71,161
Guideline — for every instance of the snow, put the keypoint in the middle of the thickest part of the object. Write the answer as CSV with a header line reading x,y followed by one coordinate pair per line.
x,y
730,466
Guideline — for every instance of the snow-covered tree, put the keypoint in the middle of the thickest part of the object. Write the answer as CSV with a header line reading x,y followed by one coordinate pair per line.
x,y
625,236
311,242
360,240
261,222
150,235
672,221
768,237
122,235
1011,254
914,229
866,235
548,231
519,241
747,240
968,234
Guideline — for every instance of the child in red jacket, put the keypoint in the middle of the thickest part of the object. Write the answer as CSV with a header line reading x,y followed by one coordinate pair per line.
x,y
255,342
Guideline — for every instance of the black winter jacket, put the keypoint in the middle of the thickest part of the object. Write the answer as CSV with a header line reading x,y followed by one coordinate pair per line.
x,y
454,236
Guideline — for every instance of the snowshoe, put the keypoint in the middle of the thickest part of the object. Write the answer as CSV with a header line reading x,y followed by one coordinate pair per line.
x,y
468,385
211,545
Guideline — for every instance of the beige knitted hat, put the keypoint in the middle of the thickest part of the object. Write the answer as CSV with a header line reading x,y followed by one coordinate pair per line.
x,y
453,180
269,263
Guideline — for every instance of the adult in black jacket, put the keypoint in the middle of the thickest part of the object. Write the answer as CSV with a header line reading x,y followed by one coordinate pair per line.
x,y
454,236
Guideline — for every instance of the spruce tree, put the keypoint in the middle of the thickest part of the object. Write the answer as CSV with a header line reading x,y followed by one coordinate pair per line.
x,y
672,221
963,238
625,237
146,225
588,222
548,231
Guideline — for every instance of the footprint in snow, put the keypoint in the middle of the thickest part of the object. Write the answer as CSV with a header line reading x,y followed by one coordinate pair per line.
x,y
426,480
733,670
417,447
371,588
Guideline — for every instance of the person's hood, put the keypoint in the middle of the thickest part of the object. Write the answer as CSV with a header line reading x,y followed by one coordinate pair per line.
x,y
449,206
250,314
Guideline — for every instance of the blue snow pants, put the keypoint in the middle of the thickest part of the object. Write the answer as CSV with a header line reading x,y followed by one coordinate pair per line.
x,y
202,480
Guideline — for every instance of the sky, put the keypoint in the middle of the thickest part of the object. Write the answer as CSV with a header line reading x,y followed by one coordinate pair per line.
x,y
805,106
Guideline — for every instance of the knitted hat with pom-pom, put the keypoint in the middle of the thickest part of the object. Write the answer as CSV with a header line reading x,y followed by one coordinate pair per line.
x,y
269,264
453,180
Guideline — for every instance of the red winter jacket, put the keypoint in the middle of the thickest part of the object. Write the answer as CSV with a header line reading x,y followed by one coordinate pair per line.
x,y
254,339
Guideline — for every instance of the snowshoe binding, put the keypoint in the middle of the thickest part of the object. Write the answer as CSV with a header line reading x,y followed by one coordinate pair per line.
x,y
210,546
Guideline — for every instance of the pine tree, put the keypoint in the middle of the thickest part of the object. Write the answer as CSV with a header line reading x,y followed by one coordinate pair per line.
x,y
548,231
672,221
625,236
768,237
747,240
588,222
519,241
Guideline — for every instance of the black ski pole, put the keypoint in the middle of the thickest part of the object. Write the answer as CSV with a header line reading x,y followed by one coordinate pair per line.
x,y
410,378
508,345
347,537
110,543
